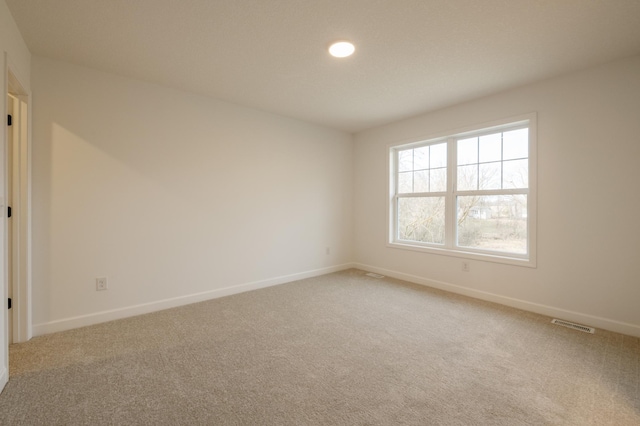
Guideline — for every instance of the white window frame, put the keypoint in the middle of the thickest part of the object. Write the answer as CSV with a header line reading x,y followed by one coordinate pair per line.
x,y
449,248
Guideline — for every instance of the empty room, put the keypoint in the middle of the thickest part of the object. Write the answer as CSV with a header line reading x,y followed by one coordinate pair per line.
x,y
291,212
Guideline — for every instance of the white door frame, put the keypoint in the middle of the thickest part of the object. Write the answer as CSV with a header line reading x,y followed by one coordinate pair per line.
x,y
4,312
21,209
21,213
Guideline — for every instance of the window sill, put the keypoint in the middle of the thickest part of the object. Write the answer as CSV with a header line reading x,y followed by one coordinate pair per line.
x,y
485,257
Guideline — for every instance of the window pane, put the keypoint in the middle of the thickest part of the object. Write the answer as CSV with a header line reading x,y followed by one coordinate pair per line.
x,y
438,180
405,160
438,155
515,174
468,178
467,151
497,223
490,147
516,144
421,219
421,158
405,182
421,181
490,176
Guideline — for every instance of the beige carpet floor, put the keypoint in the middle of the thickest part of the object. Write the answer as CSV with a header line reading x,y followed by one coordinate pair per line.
x,y
341,349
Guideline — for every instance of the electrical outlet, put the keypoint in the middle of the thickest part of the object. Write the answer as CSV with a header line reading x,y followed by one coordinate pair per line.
x,y
101,283
465,266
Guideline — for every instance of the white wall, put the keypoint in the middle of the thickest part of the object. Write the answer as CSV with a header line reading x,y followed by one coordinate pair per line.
x,y
12,43
172,196
588,200
16,57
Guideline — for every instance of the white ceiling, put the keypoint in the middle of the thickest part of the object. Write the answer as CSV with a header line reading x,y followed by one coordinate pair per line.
x,y
412,56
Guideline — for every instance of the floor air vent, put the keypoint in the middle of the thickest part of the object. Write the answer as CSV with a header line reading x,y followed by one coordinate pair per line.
x,y
371,274
578,327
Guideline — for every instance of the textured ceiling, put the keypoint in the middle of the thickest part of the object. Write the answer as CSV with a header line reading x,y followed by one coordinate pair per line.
x,y
412,56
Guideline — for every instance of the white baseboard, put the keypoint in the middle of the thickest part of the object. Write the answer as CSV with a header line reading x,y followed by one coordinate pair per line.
x,y
104,316
586,319
145,308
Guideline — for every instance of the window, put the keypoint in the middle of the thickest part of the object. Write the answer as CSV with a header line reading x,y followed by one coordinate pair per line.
x,y
468,194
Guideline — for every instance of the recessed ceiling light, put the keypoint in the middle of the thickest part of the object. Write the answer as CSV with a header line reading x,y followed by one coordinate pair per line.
x,y
341,49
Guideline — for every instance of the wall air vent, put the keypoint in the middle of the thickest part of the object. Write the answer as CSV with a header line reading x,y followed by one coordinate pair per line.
x,y
578,327
371,274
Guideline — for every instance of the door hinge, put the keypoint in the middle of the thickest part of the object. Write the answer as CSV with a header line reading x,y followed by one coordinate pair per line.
x,y
9,121
9,211
9,304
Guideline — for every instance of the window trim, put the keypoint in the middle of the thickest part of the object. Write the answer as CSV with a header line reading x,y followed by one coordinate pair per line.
x,y
449,249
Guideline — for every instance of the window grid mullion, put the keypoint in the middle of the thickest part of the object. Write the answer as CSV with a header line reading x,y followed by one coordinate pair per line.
x,y
422,194
483,192
450,201
413,170
477,165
